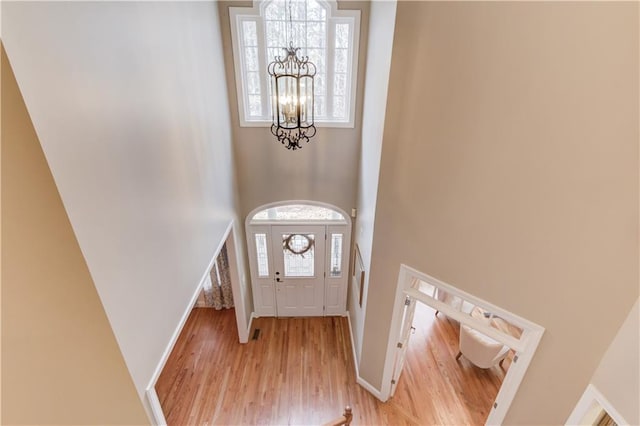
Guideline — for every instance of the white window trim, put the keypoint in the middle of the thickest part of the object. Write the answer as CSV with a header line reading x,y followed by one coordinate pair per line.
x,y
238,14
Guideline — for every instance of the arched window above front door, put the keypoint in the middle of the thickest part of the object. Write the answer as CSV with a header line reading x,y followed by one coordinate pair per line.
x,y
298,213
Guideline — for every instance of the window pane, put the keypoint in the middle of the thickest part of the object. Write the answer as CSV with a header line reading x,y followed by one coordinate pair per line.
x,y
505,326
341,60
320,108
298,265
301,212
272,52
276,34
316,34
497,322
255,106
275,10
261,255
253,83
299,34
315,12
448,298
342,35
319,83
298,9
339,107
340,84
336,255
249,33
317,57
251,58
423,287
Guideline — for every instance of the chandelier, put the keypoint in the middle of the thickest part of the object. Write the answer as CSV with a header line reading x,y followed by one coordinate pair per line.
x,y
292,96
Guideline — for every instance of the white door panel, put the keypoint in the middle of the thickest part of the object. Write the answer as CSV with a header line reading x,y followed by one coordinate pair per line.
x,y
298,259
333,294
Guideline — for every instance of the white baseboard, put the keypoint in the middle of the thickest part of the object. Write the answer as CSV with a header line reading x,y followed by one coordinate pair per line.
x,y
353,346
362,382
248,332
153,405
187,311
370,388
174,338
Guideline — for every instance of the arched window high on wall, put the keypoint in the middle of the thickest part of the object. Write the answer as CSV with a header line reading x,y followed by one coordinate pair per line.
x,y
298,256
328,36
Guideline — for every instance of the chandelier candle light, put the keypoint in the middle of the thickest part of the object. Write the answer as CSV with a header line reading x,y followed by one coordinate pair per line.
x,y
292,96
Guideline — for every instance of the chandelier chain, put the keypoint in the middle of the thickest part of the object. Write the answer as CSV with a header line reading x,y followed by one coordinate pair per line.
x,y
290,25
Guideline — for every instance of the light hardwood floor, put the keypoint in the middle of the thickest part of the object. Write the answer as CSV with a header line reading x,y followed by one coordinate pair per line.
x,y
300,372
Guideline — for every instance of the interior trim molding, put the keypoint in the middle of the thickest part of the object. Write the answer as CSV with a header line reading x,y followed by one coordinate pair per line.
x,y
362,382
590,397
251,318
153,405
353,346
370,388
525,347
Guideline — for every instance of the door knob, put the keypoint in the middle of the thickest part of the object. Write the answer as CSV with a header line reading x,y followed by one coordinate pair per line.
x,y
278,279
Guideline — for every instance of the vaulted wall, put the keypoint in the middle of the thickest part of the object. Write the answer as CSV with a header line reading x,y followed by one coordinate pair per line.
x,y
509,169
60,360
380,43
134,125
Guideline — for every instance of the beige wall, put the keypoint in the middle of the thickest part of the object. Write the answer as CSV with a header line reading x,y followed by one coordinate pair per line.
x,y
618,373
129,103
380,43
510,170
325,169
60,360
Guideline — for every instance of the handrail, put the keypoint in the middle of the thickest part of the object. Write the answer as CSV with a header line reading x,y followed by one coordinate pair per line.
x,y
344,420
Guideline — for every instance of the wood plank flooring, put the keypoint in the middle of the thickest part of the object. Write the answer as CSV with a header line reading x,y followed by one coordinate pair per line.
x,y
300,372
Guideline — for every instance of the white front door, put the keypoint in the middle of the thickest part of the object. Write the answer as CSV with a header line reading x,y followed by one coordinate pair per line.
x,y
299,269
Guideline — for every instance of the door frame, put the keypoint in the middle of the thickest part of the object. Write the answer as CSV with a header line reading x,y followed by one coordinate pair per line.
x,y
590,398
525,347
408,313
336,287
